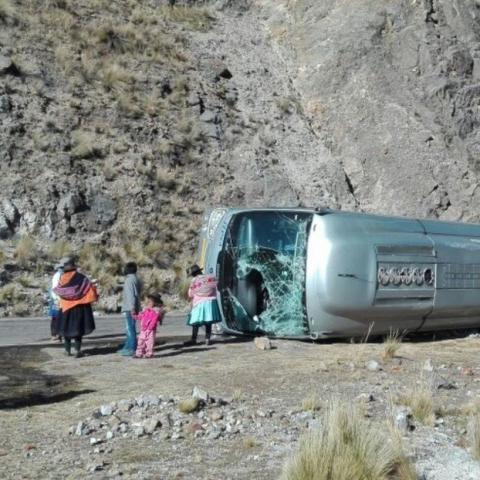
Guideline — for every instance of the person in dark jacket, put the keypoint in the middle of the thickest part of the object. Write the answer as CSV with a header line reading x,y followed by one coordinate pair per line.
x,y
132,290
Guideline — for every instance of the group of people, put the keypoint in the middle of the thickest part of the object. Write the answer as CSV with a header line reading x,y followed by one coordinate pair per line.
x,y
72,294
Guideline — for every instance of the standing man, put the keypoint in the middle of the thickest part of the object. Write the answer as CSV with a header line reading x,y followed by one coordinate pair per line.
x,y
132,291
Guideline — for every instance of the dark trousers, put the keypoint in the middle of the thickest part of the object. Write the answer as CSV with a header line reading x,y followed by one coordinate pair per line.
x,y
208,331
54,325
77,345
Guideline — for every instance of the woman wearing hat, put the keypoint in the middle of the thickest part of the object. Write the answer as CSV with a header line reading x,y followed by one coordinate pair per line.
x,y
205,311
77,293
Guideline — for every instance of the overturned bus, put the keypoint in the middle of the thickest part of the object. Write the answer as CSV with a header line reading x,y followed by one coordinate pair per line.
x,y
323,273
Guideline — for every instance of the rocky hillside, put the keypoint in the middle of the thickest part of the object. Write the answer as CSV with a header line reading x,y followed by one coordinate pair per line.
x,y
122,121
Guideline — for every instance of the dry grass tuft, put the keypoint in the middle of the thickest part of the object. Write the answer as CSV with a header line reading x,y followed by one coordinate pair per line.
x,y
85,145
7,10
59,249
249,442
8,294
25,251
195,18
347,448
474,436
188,405
420,400
311,403
392,344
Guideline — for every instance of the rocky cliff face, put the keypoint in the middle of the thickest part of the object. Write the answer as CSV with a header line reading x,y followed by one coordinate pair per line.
x,y
392,90
122,121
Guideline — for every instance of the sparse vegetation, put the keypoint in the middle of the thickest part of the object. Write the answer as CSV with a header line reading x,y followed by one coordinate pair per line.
x,y
311,403
474,435
249,442
25,251
420,400
8,294
59,249
85,145
347,448
392,344
196,18
188,405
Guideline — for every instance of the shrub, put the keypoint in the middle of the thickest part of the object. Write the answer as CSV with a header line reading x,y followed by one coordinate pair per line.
x,y
195,18
7,10
311,403
85,145
420,400
474,435
347,448
189,405
20,309
25,251
8,293
392,344
59,249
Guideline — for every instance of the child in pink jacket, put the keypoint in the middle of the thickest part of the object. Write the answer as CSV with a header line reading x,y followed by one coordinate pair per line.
x,y
149,318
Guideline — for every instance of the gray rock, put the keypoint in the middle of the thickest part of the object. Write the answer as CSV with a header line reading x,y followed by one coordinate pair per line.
x,y
109,435
107,410
403,419
200,394
6,64
81,429
151,425
209,117
372,365
5,104
124,405
95,441
263,343
138,430
428,366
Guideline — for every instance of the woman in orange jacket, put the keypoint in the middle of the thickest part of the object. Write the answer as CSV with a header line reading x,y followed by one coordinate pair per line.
x,y
77,293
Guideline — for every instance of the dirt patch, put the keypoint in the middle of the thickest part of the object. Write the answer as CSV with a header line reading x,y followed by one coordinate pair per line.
x,y
267,392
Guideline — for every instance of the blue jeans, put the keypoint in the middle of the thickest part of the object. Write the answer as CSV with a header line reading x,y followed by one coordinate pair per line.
x,y
131,341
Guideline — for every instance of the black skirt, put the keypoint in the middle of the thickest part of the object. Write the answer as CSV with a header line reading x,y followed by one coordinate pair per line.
x,y
77,322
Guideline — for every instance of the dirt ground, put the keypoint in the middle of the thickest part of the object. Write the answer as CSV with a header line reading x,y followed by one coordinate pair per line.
x,y
43,394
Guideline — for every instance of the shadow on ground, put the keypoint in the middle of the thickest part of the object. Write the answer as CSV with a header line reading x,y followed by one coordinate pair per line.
x,y
23,384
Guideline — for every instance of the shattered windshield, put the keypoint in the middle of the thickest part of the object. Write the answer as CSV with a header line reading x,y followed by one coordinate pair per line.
x,y
263,274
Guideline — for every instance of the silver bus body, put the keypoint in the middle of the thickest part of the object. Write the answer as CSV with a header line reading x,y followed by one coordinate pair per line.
x,y
319,274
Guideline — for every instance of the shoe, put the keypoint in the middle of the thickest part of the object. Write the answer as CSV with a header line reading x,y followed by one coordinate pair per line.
x,y
208,342
79,355
67,354
189,343
126,353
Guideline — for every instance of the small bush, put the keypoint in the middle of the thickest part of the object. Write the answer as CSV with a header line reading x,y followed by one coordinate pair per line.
x,y
189,405
8,294
311,403
195,18
420,400
59,249
85,145
392,344
26,281
474,436
249,442
7,10
25,251
347,448
20,309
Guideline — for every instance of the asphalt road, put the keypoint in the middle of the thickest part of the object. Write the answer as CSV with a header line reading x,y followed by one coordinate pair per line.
x,y
34,331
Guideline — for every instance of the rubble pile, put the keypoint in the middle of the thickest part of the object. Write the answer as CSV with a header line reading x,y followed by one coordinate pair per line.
x,y
166,418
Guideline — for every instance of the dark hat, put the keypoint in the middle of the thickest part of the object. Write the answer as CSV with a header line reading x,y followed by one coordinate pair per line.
x,y
194,270
157,299
67,263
